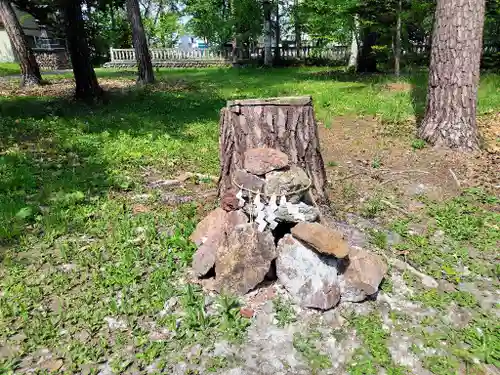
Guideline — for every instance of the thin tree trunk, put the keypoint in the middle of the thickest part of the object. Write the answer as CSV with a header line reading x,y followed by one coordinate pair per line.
x,y
397,42
142,55
287,124
450,118
353,56
30,71
268,35
298,29
277,35
87,86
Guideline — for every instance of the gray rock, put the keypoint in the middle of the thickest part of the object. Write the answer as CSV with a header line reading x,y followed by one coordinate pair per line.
x,y
245,259
248,181
309,277
310,213
260,161
283,182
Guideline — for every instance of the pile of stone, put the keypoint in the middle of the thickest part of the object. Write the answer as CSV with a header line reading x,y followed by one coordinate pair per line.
x,y
268,227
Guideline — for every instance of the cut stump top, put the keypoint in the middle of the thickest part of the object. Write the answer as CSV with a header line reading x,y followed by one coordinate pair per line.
x,y
285,101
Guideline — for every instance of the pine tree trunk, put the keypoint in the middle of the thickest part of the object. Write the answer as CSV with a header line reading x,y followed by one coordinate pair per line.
x,y
142,55
268,35
287,124
298,29
397,42
353,56
368,58
450,118
277,35
30,71
87,87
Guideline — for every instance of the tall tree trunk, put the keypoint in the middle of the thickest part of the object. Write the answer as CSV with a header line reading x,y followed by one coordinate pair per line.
x,y
277,35
450,118
30,70
397,42
298,29
368,59
353,56
268,35
146,74
87,86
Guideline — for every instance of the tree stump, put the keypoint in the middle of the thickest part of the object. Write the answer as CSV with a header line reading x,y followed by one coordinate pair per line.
x,y
286,124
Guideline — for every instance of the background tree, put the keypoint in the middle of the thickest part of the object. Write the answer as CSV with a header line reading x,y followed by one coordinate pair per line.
x,y
87,86
450,118
30,71
142,55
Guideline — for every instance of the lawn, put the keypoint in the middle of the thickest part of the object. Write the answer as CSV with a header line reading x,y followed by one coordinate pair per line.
x,y
93,259
9,69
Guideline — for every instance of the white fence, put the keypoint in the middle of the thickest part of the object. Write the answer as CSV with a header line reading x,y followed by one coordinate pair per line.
x,y
169,54
174,54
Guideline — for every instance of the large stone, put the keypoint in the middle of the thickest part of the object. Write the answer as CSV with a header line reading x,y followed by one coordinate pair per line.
x,y
213,222
321,238
362,276
284,182
244,260
311,278
204,258
248,181
310,214
260,161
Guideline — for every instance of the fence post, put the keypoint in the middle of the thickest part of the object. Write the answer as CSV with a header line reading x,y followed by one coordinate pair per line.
x,y
111,54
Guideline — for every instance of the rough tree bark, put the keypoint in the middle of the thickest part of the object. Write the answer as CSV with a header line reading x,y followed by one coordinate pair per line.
x,y
87,87
450,118
287,124
353,56
142,55
397,42
268,35
30,71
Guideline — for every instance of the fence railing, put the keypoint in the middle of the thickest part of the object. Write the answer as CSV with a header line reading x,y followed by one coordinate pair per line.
x,y
175,54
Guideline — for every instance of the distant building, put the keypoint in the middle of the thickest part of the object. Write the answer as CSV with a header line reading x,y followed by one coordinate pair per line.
x,y
190,42
37,36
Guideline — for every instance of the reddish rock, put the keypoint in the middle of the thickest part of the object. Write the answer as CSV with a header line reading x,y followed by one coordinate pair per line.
x,y
247,312
244,260
229,201
213,222
205,256
362,276
321,238
260,161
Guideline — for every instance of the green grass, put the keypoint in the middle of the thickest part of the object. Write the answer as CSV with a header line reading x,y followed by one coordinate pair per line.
x,y
9,69
74,252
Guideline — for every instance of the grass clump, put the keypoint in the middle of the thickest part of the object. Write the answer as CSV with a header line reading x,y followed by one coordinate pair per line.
x,y
284,312
305,344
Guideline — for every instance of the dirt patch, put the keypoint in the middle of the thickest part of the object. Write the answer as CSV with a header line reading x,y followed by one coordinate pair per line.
x,y
399,86
363,163
65,87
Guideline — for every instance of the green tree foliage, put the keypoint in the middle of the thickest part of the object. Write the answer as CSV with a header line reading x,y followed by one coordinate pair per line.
x,y
219,21
164,30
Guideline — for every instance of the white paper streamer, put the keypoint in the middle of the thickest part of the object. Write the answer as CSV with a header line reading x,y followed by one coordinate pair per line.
x,y
241,201
282,200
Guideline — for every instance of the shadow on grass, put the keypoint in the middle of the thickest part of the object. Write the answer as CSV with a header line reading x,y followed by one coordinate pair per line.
x,y
59,156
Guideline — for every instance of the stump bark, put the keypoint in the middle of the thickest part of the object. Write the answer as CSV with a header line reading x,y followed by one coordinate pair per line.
x,y
286,124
